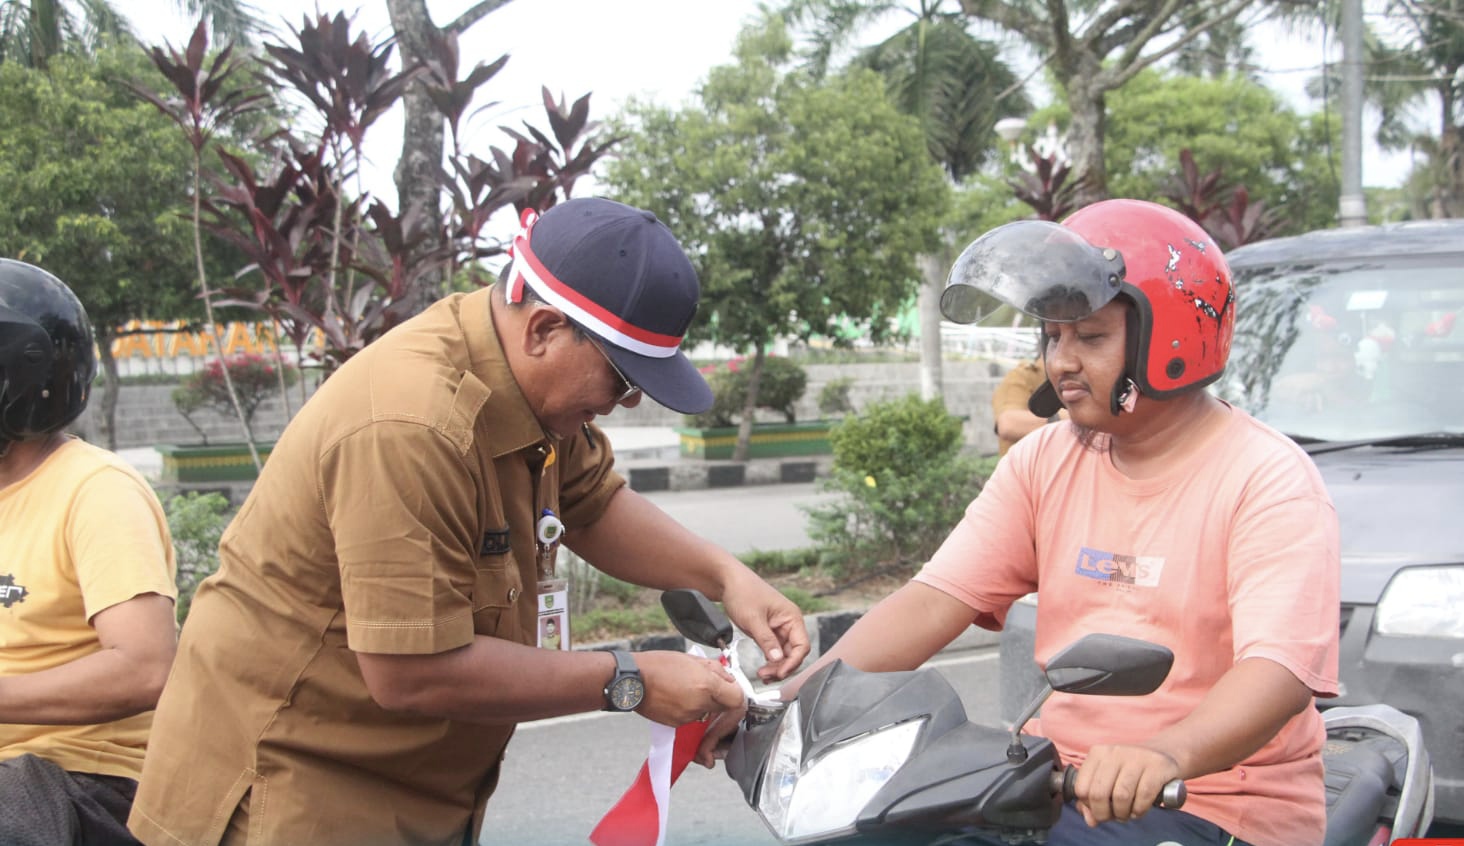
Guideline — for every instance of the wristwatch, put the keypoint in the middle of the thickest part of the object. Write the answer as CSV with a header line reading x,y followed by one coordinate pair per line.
x,y
625,689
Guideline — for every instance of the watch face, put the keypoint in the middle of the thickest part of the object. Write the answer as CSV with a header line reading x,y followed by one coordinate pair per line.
x,y
627,693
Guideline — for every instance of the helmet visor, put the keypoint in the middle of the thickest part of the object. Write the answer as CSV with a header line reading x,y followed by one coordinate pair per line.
x,y
1038,267
25,353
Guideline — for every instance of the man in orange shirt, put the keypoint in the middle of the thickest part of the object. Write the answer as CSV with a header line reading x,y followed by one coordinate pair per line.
x,y
1159,512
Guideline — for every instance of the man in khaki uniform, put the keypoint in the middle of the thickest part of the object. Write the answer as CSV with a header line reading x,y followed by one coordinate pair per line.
x,y
1013,419
353,672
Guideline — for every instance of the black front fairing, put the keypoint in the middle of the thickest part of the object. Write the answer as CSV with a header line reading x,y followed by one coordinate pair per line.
x,y
965,781
958,776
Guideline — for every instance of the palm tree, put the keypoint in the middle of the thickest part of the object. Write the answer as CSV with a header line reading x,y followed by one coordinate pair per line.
x,y
31,31
1223,49
1414,55
953,83
1429,68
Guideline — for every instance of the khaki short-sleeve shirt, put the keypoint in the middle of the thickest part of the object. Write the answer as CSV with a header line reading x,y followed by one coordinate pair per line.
x,y
395,515
1015,388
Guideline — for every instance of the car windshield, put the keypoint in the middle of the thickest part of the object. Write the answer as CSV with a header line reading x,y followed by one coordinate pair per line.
x,y
1351,350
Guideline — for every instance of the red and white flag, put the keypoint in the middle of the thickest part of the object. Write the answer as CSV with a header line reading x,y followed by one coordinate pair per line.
x,y
639,818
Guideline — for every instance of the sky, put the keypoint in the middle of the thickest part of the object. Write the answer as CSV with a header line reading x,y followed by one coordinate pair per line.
x,y
652,49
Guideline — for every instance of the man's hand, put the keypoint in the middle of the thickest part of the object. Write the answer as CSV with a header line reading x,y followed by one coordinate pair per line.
x,y
771,619
1122,782
720,729
683,688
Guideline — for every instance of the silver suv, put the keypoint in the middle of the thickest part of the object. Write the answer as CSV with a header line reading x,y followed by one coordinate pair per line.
x,y
1351,341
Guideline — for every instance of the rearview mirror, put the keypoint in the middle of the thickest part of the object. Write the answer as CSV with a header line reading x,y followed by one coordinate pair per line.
x,y
697,618
1109,665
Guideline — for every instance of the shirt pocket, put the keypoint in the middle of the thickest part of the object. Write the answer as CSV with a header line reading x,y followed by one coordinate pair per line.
x,y
497,582
498,592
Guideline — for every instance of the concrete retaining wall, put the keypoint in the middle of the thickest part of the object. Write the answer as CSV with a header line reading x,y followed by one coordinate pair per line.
x,y
146,415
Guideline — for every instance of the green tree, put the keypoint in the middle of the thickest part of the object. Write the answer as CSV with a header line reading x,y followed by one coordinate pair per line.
x,y
1231,124
96,183
1092,49
954,84
801,203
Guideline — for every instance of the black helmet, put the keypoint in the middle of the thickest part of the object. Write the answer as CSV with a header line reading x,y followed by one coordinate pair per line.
x,y
47,358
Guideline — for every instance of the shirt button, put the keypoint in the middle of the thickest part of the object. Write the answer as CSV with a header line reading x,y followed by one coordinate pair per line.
x,y
513,594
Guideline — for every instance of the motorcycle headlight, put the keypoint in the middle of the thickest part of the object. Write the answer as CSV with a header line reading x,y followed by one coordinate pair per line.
x,y
812,800
1423,602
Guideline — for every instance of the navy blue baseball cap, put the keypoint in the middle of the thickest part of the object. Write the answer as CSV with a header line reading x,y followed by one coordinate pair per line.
x,y
618,273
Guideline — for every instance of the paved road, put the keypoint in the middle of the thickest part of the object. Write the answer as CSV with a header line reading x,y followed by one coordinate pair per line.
x,y
744,518
562,775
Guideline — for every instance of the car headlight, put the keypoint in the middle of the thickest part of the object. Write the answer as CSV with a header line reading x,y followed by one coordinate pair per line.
x,y
802,802
1423,602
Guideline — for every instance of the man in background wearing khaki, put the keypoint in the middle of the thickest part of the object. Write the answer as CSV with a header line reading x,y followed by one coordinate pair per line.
x,y
1014,420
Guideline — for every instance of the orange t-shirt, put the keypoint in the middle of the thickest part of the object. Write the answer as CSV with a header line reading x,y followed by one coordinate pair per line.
x,y
1233,553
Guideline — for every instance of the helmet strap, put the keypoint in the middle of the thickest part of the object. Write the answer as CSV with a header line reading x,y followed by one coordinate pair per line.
x,y
1124,396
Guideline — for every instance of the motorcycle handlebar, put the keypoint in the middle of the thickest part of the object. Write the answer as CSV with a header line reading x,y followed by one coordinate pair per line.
x,y
1065,781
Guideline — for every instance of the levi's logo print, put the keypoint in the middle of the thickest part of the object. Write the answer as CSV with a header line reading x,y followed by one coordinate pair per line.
x,y
1118,570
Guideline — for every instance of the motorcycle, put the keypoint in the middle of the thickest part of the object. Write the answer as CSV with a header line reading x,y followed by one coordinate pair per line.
x,y
891,757
1378,777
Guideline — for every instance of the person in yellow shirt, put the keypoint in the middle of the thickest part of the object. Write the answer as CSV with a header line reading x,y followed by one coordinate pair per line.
x,y
87,630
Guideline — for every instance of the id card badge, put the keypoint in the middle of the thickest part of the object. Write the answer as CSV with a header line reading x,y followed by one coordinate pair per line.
x,y
554,614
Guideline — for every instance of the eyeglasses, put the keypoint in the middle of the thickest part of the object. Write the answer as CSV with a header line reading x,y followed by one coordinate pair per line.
x,y
631,388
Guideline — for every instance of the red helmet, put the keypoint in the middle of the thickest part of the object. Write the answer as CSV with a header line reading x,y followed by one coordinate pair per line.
x,y
1180,285
1157,258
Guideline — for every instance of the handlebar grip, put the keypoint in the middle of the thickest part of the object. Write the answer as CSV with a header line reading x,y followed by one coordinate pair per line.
x,y
1173,794
1065,781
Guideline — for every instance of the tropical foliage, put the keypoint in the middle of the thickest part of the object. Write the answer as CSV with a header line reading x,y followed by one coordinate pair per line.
x,y
96,186
252,378
32,32
801,203
905,481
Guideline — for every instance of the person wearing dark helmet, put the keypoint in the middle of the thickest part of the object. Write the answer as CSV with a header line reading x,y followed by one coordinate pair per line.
x,y
87,631
1158,512
353,672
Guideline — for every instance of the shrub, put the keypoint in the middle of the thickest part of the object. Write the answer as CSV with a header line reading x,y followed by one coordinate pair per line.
x,y
196,521
806,602
772,562
610,623
833,398
906,483
781,387
255,379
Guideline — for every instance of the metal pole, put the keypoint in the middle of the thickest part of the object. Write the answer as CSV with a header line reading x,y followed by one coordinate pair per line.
x,y
1352,203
